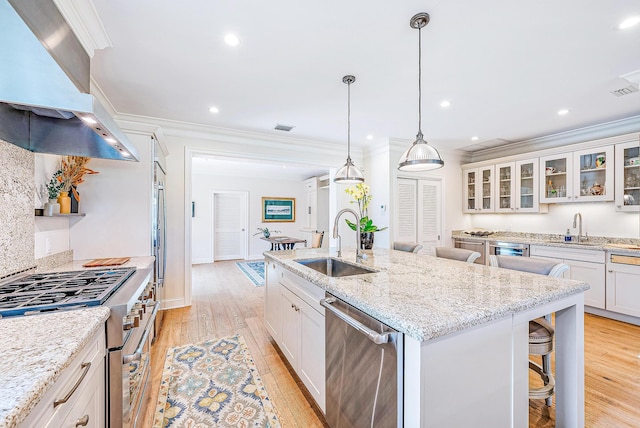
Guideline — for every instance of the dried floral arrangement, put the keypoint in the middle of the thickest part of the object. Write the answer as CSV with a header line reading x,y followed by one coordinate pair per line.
x,y
72,172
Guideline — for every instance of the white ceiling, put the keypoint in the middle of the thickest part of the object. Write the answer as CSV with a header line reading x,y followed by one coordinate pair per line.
x,y
506,66
227,167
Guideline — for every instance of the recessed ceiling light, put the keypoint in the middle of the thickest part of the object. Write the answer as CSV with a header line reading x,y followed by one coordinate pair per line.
x,y
231,40
214,109
445,104
474,138
369,137
563,112
629,22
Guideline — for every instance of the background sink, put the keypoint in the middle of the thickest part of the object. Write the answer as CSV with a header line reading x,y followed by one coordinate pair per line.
x,y
335,267
582,244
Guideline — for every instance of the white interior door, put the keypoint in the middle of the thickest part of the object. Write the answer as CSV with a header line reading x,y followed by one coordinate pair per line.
x,y
429,214
420,212
229,230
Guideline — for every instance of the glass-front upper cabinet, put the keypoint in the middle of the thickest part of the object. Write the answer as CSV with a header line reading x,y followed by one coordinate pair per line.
x,y
627,193
526,186
505,187
556,183
593,179
478,189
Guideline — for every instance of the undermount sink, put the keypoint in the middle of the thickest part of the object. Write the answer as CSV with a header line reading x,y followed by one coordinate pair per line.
x,y
335,267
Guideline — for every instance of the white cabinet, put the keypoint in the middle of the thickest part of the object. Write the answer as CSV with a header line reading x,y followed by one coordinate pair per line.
x,y
623,284
556,183
311,203
584,265
478,191
580,176
517,187
295,320
79,392
627,171
272,298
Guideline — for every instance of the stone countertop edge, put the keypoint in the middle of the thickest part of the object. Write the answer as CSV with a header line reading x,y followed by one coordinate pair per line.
x,y
551,240
427,297
31,363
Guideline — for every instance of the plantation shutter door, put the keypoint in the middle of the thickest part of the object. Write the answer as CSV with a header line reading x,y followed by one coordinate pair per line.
x,y
429,214
228,235
407,210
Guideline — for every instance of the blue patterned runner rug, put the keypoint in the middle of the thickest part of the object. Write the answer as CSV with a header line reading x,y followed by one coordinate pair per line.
x,y
213,384
254,270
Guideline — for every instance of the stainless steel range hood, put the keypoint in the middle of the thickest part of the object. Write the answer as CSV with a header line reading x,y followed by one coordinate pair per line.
x,y
41,109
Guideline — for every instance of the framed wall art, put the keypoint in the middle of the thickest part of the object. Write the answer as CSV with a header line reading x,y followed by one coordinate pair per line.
x,y
278,209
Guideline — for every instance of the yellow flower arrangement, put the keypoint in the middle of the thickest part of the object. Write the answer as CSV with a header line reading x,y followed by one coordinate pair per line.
x,y
72,172
361,196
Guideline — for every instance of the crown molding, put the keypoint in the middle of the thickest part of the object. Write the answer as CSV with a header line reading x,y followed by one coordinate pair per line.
x,y
595,132
83,19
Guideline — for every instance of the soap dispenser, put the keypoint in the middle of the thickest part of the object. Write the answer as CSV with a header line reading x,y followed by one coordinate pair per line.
x,y
567,236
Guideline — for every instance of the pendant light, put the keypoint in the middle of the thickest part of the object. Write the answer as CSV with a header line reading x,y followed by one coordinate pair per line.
x,y
420,156
349,173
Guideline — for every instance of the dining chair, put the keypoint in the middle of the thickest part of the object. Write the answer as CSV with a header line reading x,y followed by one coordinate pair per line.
x,y
409,247
460,254
541,331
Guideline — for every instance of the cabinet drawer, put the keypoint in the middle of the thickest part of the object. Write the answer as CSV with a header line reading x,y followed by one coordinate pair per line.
x,y
45,413
308,292
581,254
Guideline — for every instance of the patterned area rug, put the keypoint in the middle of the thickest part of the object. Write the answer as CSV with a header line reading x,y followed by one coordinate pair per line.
x,y
213,384
254,271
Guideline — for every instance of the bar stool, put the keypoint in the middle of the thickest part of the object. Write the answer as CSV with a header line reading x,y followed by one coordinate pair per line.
x,y
459,254
409,247
541,330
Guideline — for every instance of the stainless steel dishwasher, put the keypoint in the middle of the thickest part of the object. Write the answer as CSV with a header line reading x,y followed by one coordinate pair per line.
x,y
364,367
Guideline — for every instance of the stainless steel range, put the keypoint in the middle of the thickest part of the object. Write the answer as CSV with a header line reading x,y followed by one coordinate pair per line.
x,y
129,294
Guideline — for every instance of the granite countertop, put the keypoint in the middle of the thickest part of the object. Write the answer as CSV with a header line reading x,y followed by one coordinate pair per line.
x,y
553,240
31,362
427,297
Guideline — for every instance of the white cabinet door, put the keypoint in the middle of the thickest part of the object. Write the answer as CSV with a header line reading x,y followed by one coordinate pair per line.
x,y
311,203
272,299
623,289
627,182
469,180
312,356
290,343
556,178
526,185
593,177
505,187
594,275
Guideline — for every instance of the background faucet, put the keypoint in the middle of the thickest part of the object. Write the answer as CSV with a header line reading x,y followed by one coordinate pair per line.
x,y
576,217
359,256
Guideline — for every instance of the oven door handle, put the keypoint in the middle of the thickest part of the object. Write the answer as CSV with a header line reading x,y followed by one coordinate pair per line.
x,y
469,242
137,354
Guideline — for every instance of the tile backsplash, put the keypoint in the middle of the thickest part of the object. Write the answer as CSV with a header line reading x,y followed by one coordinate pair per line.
x,y
17,223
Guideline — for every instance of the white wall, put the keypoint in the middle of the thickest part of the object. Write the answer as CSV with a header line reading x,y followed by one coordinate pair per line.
x,y
598,219
203,188
378,178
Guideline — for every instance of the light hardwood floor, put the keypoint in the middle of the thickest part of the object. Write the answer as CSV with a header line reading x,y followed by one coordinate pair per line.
x,y
225,302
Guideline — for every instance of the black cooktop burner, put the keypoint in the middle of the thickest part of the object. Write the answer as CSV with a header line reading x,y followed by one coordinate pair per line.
x,y
43,292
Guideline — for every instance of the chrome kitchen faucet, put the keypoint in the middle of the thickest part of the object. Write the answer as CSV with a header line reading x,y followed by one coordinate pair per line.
x,y
359,255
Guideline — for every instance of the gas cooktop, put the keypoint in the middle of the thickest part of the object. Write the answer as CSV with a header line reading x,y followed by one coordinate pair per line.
x,y
43,292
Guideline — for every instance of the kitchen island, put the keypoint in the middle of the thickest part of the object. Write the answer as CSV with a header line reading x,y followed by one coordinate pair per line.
x,y
465,333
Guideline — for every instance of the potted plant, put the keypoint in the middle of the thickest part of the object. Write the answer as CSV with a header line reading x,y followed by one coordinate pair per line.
x,y
265,231
361,196
71,175
53,190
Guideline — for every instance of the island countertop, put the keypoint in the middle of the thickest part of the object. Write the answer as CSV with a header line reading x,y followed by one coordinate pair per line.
x,y
427,297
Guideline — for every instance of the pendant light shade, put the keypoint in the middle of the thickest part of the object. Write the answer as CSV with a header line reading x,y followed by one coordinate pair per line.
x,y
349,173
420,156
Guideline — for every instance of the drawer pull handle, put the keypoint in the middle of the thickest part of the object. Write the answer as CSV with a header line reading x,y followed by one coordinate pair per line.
x,y
83,421
85,369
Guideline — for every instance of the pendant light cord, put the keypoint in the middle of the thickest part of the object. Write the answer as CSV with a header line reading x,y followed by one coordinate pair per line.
x,y
419,82
349,121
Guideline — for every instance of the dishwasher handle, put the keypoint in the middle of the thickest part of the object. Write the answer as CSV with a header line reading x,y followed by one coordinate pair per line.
x,y
377,338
